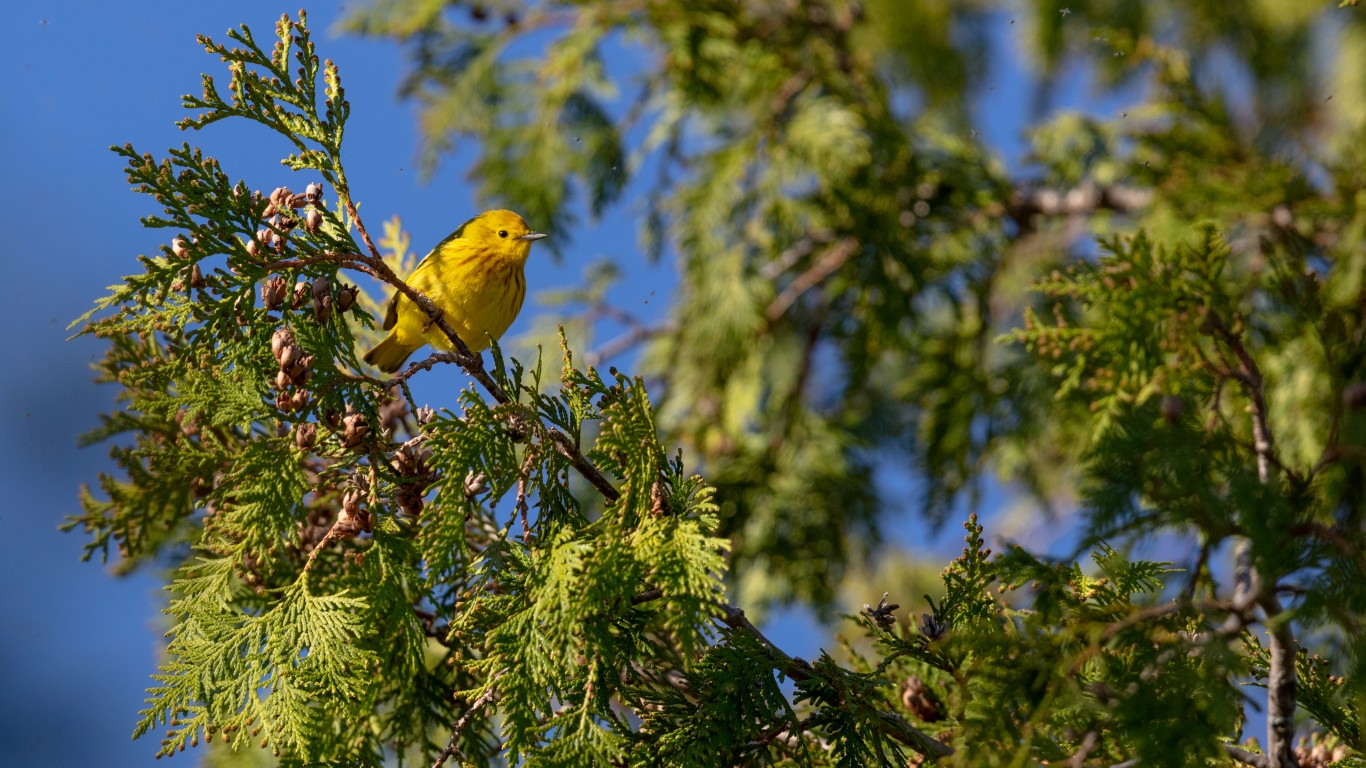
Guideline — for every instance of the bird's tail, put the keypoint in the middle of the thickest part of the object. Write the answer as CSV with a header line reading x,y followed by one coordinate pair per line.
x,y
389,355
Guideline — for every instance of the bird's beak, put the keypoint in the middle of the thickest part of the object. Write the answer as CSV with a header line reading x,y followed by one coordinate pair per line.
x,y
531,236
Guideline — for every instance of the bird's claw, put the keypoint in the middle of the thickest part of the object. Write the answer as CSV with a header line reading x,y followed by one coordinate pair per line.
x,y
431,320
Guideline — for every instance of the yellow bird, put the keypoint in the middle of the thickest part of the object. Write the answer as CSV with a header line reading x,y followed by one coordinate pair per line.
x,y
475,276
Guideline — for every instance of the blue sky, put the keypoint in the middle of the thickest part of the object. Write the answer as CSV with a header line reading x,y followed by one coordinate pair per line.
x,y
78,645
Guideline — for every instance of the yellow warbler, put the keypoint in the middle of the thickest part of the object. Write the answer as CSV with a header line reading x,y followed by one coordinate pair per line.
x,y
476,278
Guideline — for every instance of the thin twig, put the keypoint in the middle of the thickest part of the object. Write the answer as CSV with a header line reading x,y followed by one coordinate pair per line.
x,y
1247,758
826,265
345,194
1088,745
649,595
778,730
1086,198
798,670
1280,678
453,746
795,669
625,341
334,533
521,506
795,253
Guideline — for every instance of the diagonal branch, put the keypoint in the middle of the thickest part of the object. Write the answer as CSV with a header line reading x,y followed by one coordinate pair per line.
x,y
826,265
473,364
798,669
458,727
1247,758
1280,678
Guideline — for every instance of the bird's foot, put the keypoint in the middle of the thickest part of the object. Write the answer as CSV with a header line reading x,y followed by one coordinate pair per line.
x,y
431,320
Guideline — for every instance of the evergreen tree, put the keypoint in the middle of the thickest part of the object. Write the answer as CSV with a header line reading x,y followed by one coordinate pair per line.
x,y
1166,322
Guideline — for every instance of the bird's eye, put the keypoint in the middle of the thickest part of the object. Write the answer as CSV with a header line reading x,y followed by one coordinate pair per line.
x,y
502,233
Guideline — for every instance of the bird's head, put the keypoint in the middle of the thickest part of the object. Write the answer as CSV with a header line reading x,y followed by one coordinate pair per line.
x,y
503,232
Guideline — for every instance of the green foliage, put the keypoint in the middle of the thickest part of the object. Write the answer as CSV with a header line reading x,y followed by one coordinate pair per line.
x,y
812,169
327,613
529,574
710,716
300,651
1094,658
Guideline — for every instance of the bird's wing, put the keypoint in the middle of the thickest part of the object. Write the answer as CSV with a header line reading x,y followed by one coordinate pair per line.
x,y
414,280
391,315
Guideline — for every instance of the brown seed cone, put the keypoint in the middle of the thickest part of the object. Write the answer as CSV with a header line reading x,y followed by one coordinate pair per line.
x,y
290,357
273,292
302,289
354,430
280,340
346,297
920,700
305,435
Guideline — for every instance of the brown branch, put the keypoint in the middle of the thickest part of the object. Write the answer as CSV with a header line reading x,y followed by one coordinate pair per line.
x,y
570,450
625,341
797,669
472,364
1280,686
795,253
344,193
412,370
1086,198
649,595
1250,376
895,725
1088,745
421,365
453,746
1247,758
1249,589
776,732
826,265
521,506
1160,610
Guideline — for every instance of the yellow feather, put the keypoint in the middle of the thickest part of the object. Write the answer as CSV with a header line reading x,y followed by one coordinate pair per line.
x,y
476,276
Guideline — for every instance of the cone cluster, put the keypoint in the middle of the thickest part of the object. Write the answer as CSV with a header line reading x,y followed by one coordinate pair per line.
x,y
353,518
354,428
296,368
410,461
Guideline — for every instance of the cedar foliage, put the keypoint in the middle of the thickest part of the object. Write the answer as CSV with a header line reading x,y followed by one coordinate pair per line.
x,y
532,575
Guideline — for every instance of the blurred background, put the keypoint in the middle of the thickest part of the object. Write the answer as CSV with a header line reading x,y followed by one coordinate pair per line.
x,y
852,408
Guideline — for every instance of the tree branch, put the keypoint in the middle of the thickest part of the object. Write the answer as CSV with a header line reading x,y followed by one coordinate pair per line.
x,y
1088,745
1280,678
625,341
452,747
472,364
1088,197
826,265
798,669
1247,758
